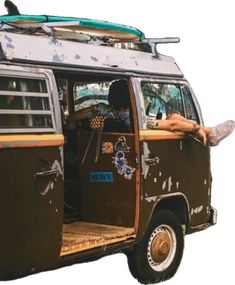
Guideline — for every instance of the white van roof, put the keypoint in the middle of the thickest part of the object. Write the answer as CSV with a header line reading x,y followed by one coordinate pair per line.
x,y
49,50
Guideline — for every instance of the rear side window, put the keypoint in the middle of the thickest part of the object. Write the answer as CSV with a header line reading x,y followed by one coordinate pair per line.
x,y
88,94
25,105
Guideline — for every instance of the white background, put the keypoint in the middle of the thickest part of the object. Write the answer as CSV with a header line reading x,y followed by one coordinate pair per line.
x,y
206,55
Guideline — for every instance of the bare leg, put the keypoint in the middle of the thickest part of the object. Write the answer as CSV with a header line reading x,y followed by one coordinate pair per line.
x,y
176,122
175,116
207,130
213,135
201,132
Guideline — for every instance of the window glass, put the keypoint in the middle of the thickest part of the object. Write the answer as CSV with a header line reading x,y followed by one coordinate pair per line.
x,y
24,104
22,84
88,94
190,110
161,99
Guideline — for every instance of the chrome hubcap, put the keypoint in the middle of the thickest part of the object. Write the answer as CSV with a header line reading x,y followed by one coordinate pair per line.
x,y
161,248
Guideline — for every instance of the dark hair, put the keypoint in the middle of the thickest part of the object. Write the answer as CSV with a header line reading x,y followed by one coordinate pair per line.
x,y
119,94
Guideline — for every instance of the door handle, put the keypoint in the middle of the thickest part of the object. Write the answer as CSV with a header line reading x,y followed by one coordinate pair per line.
x,y
152,160
52,174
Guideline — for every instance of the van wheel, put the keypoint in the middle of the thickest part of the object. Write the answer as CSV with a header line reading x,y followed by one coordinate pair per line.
x,y
157,257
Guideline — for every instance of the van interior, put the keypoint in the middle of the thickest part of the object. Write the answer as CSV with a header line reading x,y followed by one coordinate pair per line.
x,y
99,168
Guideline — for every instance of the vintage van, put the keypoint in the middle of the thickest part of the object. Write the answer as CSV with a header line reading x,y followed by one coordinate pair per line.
x,y
70,196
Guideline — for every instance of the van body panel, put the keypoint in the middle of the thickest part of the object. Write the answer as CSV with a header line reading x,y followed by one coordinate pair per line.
x,y
31,169
169,166
31,208
108,187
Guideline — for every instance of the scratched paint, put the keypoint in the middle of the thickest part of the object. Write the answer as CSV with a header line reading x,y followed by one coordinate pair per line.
x,y
58,58
145,166
164,185
151,199
61,150
54,41
197,210
157,159
181,145
9,45
167,184
8,38
94,58
170,184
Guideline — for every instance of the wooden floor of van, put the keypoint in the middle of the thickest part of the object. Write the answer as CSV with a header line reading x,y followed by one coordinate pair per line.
x,y
80,236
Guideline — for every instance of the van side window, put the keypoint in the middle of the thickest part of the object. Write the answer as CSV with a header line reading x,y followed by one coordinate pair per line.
x,y
88,94
161,99
25,104
190,110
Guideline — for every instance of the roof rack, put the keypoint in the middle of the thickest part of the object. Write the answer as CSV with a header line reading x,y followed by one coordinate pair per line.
x,y
153,42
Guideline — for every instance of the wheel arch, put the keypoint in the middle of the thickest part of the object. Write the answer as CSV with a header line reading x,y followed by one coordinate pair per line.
x,y
178,204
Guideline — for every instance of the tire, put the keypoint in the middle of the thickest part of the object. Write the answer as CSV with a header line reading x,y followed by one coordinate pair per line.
x,y
157,257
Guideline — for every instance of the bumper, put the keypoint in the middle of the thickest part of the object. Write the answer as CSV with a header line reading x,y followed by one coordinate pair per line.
x,y
213,216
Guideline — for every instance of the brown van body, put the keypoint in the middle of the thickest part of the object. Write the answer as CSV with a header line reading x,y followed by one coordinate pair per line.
x,y
114,206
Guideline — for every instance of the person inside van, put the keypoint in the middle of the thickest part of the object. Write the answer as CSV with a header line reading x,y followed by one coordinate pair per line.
x,y
176,122
119,103
118,108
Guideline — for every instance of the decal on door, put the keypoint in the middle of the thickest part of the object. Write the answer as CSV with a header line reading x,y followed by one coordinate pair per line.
x,y
107,147
120,161
101,177
121,145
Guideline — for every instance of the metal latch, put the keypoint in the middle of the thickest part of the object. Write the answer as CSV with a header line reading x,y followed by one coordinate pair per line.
x,y
152,160
50,172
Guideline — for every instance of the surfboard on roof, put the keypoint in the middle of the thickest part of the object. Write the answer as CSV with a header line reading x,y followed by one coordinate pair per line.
x,y
72,27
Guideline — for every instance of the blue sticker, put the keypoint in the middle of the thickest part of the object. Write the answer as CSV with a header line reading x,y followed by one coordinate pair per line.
x,y
101,177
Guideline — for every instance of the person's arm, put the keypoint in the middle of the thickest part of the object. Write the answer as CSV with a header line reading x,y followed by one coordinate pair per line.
x,y
86,113
79,116
83,113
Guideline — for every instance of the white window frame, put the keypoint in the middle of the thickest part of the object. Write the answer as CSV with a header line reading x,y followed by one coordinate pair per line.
x,y
28,75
